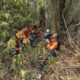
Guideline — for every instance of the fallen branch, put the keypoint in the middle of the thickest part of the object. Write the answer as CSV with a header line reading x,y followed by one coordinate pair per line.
x,y
78,24
70,39
56,72
70,67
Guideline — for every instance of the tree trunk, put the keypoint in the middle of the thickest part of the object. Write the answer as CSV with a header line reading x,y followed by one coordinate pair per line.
x,y
42,18
58,17
46,13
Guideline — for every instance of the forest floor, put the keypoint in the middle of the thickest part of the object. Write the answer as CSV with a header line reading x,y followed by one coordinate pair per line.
x,y
66,67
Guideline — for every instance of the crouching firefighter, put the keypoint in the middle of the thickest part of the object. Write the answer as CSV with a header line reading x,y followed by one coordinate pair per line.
x,y
24,36
14,46
52,45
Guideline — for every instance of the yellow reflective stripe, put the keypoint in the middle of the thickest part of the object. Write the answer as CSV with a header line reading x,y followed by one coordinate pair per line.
x,y
54,46
20,35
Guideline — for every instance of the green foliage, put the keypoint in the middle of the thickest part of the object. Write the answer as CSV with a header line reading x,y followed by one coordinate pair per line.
x,y
6,15
20,61
51,60
36,76
58,53
22,74
12,67
41,4
4,24
5,34
11,43
1,74
14,15
29,76
77,54
5,51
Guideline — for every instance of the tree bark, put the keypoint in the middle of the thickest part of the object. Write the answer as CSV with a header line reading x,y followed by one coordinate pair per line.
x,y
58,17
46,13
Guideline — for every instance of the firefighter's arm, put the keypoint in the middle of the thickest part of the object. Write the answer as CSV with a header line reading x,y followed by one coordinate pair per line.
x,y
48,46
38,34
54,46
17,49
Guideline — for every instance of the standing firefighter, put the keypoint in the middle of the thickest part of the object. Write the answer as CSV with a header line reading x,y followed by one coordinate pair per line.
x,y
52,45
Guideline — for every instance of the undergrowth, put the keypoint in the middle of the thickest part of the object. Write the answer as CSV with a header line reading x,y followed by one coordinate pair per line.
x,y
22,65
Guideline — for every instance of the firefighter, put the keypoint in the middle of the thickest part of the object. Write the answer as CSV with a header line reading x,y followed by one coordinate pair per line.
x,y
14,46
34,34
24,36
17,42
32,29
52,45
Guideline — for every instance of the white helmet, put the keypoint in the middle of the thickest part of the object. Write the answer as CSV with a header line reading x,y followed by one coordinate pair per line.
x,y
47,30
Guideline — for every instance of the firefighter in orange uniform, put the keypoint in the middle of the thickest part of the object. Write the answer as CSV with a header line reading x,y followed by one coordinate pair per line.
x,y
33,34
24,36
14,45
52,45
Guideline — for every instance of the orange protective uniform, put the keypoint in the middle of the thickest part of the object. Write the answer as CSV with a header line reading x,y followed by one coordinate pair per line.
x,y
32,30
52,45
38,35
23,34
18,42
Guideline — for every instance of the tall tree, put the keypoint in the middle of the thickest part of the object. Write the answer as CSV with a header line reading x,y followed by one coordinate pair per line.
x,y
46,13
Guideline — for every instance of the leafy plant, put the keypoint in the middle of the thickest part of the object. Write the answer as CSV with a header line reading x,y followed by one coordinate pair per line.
x,y
1,74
